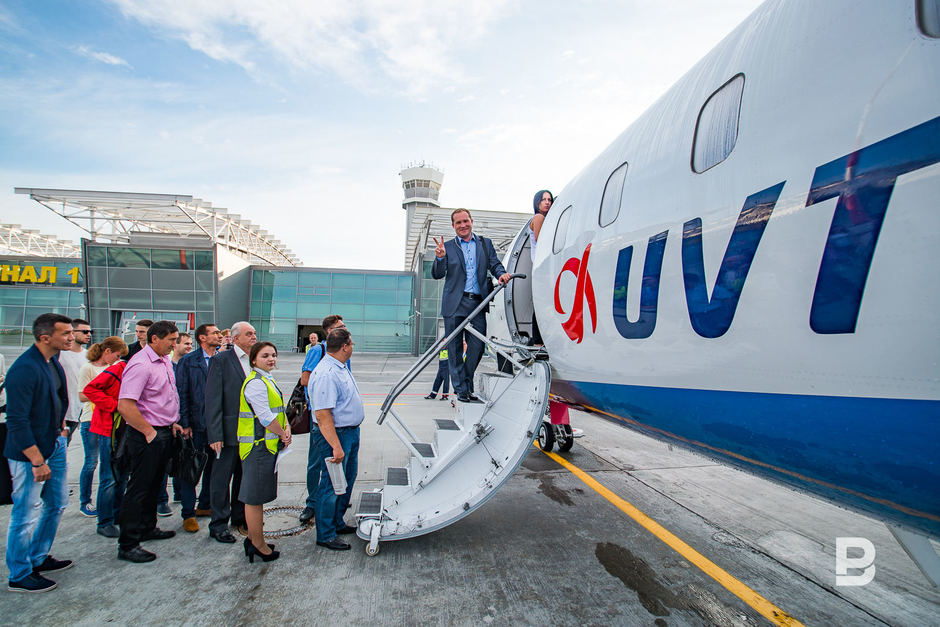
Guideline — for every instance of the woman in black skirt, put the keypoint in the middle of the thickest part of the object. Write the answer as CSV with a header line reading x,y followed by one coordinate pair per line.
x,y
262,431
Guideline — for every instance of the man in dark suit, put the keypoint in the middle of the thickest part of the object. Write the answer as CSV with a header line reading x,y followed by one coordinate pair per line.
x,y
463,263
192,370
37,398
227,372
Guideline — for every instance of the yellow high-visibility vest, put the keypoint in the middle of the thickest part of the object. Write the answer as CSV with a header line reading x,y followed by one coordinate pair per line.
x,y
247,431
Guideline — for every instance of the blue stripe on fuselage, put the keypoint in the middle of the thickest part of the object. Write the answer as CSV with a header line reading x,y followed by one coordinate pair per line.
x,y
875,455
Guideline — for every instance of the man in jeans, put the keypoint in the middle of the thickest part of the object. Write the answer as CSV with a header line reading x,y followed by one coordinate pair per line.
x,y
338,413
37,399
330,324
150,405
72,361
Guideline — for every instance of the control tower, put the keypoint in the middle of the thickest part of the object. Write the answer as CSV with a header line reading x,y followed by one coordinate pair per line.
x,y
421,183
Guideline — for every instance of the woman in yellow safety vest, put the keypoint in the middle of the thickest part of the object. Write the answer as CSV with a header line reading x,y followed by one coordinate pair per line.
x,y
262,431
443,376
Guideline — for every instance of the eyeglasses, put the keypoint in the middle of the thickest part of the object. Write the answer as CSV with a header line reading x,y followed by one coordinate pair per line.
x,y
85,331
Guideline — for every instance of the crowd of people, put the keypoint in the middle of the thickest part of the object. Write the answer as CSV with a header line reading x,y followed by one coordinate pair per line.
x,y
134,404
165,386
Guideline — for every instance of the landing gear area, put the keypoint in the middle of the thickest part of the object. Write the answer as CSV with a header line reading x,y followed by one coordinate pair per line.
x,y
550,434
556,429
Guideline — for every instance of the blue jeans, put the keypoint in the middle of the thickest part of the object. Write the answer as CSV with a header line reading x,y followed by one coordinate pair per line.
x,y
313,470
90,445
32,529
110,488
331,506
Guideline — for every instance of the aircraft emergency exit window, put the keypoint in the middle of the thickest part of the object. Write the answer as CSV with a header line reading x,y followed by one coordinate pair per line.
x,y
561,231
613,194
928,17
716,130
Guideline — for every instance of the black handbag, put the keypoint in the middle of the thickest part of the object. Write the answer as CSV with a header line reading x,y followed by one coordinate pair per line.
x,y
297,411
186,463
120,459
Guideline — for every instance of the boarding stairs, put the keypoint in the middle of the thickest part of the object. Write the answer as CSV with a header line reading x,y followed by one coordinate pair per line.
x,y
476,447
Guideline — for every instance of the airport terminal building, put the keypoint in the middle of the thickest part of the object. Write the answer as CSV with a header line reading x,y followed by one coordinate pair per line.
x,y
174,257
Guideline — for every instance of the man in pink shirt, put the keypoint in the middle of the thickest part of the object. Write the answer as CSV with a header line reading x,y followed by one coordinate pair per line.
x,y
149,404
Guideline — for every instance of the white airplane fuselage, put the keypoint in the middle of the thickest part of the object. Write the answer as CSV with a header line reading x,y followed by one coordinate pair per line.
x,y
778,308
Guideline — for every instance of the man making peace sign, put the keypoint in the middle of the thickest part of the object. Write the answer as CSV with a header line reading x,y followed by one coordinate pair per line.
x,y
463,263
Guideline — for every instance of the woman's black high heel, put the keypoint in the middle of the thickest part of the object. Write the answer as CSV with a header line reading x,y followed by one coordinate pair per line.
x,y
251,551
248,542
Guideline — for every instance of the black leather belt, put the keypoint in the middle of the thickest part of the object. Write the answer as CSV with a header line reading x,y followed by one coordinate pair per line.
x,y
472,296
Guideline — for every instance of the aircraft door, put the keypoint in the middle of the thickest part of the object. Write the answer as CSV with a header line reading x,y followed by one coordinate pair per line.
x,y
518,296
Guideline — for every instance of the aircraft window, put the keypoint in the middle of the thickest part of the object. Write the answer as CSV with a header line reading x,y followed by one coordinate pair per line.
x,y
613,193
561,231
928,17
716,130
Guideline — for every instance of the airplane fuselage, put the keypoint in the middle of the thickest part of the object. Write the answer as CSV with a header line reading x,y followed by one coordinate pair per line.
x,y
749,269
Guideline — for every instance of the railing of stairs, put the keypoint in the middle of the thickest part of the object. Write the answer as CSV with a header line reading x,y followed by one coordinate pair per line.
x,y
507,351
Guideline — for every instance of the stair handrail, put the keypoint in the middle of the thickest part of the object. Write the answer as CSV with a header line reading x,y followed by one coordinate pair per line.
x,y
435,348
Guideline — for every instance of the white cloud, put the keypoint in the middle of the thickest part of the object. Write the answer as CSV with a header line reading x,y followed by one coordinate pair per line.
x,y
374,45
103,57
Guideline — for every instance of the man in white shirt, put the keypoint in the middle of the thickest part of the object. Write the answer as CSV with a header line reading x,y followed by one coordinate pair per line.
x,y
72,362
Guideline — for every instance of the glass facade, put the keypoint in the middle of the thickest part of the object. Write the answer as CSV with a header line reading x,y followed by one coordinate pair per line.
x,y
127,283
377,307
30,286
430,307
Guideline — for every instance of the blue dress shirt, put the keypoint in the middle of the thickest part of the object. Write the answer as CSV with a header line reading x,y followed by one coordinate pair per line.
x,y
469,250
335,389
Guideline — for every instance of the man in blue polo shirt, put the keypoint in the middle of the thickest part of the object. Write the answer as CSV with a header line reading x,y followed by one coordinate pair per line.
x,y
338,412
314,355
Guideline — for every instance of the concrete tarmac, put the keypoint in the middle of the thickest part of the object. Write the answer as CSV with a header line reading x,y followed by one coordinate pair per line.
x,y
546,550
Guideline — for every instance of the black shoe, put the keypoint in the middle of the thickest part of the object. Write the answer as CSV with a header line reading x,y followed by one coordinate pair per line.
x,y
307,515
225,536
468,398
109,531
51,565
346,529
431,396
335,545
138,555
444,397
31,583
158,534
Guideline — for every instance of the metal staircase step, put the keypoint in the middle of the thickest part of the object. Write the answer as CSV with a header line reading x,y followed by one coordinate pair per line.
x,y
446,424
425,449
396,476
370,503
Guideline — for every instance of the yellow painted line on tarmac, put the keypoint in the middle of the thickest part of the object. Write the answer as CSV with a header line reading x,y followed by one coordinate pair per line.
x,y
767,609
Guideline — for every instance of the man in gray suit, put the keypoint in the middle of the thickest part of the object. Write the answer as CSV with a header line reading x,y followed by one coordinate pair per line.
x,y
227,372
463,262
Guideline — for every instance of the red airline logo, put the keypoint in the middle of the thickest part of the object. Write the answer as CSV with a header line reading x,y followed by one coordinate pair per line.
x,y
584,290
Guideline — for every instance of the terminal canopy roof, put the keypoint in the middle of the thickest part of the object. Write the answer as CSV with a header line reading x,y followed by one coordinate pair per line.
x,y
116,215
17,240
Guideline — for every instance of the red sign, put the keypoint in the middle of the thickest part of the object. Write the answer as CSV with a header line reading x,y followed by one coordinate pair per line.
x,y
584,290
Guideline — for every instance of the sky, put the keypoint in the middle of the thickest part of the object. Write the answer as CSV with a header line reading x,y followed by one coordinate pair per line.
x,y
299,114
